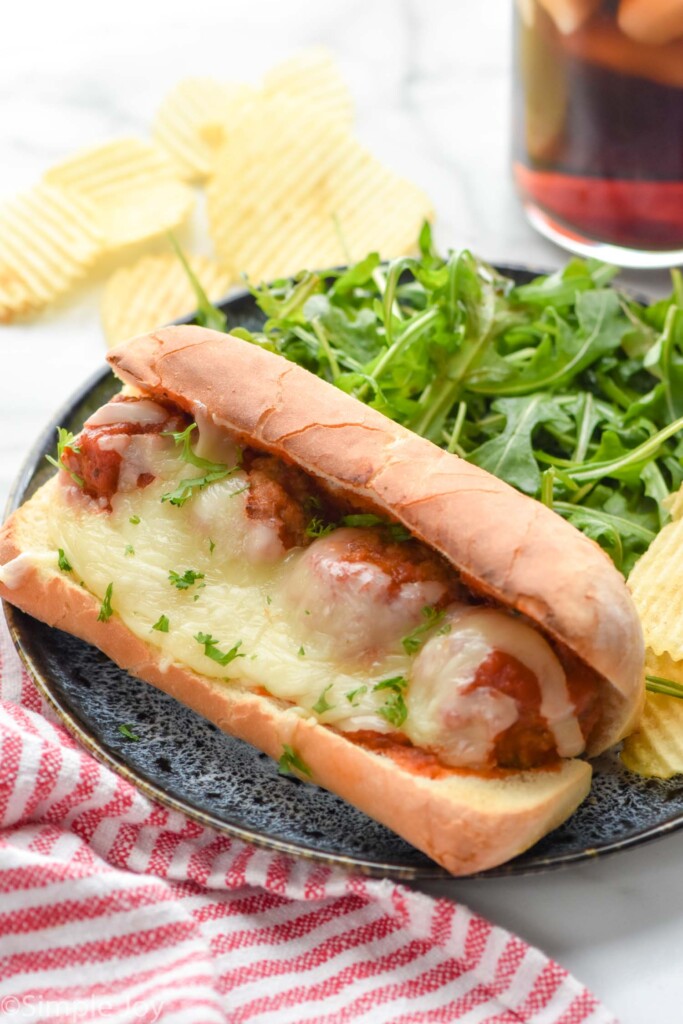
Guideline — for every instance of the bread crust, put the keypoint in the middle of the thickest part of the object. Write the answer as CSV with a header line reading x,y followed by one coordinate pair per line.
x,y
464,821
506,545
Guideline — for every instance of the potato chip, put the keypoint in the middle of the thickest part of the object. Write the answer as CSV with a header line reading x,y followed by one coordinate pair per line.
x,y
656,585
154,291
313,76
656,749
48,240
132,186
191,123
292,190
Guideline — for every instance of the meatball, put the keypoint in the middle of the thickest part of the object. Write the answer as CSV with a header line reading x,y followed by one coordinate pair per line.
x,y
360,592
491,692
96,454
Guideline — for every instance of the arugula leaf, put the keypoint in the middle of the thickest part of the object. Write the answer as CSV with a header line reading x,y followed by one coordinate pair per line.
x,y
563,373
65,439
213,471
510,454
207,314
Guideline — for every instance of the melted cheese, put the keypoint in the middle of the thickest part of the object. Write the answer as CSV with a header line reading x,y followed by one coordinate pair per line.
x,y
144,411
317,638
236,599
352,606
464,726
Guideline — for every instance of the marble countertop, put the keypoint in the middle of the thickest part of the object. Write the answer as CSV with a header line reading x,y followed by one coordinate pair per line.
x,y
431,81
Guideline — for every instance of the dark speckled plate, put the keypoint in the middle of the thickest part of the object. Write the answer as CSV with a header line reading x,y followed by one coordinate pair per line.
x,y
186,763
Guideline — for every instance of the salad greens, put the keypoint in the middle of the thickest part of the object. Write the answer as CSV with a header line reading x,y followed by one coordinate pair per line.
x,y
565,387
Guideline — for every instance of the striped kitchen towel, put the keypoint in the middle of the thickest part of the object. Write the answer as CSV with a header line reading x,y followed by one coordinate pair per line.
x,y
114,908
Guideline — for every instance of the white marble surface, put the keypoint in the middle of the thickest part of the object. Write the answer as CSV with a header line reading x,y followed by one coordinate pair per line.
x,y
431,83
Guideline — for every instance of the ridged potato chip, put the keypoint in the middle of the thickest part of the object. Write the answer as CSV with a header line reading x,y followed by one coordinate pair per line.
x,y
292,190
656,749
154,291
132,186
191,123
656,585
48,240
313,76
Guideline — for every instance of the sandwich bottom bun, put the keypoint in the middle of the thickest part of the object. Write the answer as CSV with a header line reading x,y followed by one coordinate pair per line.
x,y
465,821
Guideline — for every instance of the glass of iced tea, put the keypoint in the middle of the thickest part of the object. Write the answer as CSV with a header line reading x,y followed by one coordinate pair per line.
x,y
598,126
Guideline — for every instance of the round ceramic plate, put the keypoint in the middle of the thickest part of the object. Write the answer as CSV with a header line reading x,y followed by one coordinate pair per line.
x,y
186,763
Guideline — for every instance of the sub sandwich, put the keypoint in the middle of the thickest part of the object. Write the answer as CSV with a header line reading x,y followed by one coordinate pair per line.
x,y
394,624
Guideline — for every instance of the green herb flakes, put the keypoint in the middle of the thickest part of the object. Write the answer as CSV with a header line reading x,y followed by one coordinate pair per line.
x,y
62,561
414,640
183,581
211,649
106,610
291,764
322,704
127,732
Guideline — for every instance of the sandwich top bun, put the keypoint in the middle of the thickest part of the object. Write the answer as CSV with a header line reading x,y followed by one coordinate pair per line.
x,y
505,545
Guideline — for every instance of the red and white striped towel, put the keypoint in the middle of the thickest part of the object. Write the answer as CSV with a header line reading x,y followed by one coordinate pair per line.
x,y
113,908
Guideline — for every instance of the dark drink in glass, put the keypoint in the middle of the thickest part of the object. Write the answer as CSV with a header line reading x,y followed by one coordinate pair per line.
x,y
598,125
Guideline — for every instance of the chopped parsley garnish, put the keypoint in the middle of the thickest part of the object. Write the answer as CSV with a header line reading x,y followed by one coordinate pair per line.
x,y
394,708
134,520
211,649
65,439
62,561
317,527
413,641
127,731
353,696
213,471
130,550
161,625
185,580
291,764
106,610
301,652
269,599
322,704
212,546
